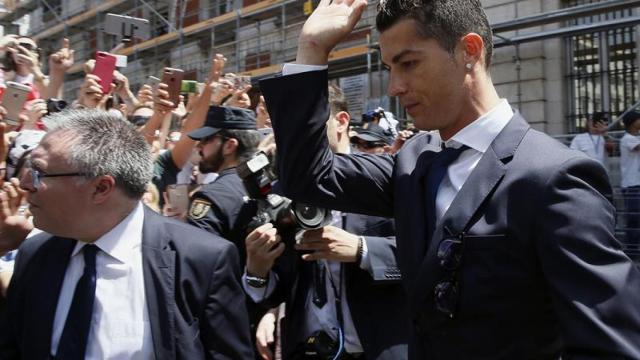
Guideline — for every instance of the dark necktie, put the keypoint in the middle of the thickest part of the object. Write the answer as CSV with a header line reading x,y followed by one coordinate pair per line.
x,y
319,284
73,341
437,170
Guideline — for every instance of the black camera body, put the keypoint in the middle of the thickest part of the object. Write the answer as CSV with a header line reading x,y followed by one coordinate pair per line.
x,y
55,105
258,176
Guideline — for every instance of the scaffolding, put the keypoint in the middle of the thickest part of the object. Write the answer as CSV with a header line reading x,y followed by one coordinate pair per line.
x,y
255,37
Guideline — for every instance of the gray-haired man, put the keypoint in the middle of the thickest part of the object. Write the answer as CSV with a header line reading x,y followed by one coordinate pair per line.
x,y
109,278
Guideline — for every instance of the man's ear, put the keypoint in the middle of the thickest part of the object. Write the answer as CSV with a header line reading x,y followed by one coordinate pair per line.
x,y
229,147
103,188
343,118
473,49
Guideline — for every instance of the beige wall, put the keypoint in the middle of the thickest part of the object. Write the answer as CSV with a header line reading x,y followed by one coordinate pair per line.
x,y
541,84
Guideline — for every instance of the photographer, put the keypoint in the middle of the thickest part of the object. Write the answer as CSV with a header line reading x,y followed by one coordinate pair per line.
x,y
340,284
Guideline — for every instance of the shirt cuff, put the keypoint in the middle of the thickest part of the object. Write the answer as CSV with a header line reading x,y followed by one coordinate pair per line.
x,y
292,69
7,261
259,294
365,262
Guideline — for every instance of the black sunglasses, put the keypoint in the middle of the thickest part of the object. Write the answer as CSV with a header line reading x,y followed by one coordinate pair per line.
x,y
450,258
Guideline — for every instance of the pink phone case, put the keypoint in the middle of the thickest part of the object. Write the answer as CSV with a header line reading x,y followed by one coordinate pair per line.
x,y
105,65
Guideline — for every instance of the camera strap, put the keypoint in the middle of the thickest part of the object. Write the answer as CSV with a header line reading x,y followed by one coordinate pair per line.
x,y
337,292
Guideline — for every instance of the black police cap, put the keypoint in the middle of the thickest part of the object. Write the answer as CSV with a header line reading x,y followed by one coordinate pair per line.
x,y
225,117
374,133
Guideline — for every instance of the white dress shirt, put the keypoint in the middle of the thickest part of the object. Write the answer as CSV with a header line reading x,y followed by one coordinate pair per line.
x,y
629,160
590,144
478,136
120,326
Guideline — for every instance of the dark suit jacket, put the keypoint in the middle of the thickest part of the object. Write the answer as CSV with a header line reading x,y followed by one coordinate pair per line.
x,y
377,301
542,274
191,280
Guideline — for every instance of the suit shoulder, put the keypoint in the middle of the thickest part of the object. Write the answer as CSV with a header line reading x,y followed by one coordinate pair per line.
x,y
33,243
194,240
545,151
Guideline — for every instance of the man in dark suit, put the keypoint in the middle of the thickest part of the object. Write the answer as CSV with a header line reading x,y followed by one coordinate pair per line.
x,y
364,278
109,278
505,237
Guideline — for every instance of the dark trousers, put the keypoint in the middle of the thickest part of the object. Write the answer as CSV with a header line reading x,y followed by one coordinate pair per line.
x,y
632,217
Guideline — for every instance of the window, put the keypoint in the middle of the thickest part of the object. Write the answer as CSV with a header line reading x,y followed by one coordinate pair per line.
x,y
602,69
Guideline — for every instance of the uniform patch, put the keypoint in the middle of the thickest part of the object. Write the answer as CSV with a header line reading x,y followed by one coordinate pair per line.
x,y
199,209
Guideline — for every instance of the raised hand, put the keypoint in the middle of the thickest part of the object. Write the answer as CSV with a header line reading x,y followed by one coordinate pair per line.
x,y
14,225
329,23
62,59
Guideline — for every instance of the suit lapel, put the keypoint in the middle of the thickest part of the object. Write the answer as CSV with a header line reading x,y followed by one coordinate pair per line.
x,y
55,258
475,192
419,214
159,268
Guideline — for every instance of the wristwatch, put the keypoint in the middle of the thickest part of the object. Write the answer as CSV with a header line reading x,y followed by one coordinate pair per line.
x,y
256,281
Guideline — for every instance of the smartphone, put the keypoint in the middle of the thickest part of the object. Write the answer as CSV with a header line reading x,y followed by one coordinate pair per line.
x,y
232,78
189,86
173,78
153,82
178,195
13,101
243,81
127,27
105,65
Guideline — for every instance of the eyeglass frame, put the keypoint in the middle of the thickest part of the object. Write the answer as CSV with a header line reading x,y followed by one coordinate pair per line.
x,y
37,175
449,254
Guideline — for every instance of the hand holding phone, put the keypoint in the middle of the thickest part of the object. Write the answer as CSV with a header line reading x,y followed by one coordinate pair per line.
x,y
173,78
104,67
13,100
178,196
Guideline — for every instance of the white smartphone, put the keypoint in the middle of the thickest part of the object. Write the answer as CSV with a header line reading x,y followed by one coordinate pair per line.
x,y
178,195
13,101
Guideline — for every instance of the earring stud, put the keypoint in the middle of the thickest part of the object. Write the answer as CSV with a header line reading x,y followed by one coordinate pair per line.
x,y
468,66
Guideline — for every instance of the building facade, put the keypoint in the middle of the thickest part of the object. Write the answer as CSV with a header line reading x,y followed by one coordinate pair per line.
x,y
555,82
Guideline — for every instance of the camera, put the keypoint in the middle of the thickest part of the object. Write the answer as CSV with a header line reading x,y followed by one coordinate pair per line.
x,y
258,175
55,105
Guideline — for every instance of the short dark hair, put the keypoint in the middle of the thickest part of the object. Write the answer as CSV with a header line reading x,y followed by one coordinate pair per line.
x,y
247,141
337,101
445,21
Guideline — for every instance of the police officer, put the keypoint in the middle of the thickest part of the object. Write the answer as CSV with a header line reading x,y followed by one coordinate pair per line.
x,y
228,137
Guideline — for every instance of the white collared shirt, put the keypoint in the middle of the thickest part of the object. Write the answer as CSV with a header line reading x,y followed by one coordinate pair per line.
x,y
120,327
478,136
590,144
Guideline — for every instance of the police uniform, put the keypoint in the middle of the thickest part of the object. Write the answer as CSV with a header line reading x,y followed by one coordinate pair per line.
x,y
221,207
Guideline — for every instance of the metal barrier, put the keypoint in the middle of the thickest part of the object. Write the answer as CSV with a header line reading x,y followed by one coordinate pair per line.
x,y
627,228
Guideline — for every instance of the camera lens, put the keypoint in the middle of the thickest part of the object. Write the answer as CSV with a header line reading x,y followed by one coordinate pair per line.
x,y
310,217
55,105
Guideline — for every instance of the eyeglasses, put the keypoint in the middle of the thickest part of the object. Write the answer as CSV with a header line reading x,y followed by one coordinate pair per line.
x,y
450,258
37,175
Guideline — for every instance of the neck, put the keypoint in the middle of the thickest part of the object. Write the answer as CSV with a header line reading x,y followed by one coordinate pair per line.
x,y
482,98
342,147
104,221
228,164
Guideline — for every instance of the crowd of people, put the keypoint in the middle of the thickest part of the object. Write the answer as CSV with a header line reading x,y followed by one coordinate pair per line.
x,y
230,226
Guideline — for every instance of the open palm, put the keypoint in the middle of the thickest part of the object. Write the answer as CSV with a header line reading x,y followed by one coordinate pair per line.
x,y
330,22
